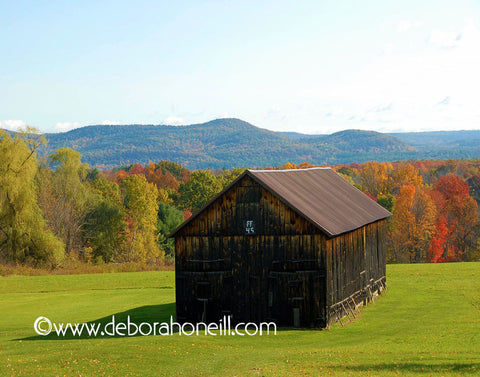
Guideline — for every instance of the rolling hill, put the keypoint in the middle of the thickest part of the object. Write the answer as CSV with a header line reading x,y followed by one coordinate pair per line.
x,y
230,143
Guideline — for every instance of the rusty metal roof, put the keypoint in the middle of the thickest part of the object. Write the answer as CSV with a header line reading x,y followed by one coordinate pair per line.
x,y
318,194
323,197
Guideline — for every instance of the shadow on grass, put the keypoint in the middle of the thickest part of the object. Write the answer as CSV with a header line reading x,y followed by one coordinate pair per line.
x,y
143,314
455,368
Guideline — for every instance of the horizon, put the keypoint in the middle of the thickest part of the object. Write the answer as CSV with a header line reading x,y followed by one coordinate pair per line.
x,y
212,120
312,68
18,129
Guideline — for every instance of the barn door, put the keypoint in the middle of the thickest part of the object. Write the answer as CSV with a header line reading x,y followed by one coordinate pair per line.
x,y
247,282
297,298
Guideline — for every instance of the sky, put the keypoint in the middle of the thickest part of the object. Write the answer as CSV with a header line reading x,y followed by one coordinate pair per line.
x,y
306,66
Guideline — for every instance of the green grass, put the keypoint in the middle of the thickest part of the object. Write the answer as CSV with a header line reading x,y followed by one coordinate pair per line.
x,y
427,323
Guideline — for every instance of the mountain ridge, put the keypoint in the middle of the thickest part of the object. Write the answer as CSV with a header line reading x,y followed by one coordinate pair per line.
x,y
231,143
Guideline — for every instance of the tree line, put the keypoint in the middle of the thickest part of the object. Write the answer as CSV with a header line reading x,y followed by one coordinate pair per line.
x,y
56,207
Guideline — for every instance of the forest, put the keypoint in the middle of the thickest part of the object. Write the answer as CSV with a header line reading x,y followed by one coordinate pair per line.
x,y
56,209
233,143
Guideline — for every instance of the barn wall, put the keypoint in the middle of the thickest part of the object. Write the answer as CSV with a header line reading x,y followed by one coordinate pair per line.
x,y
355,266
250,256
254,278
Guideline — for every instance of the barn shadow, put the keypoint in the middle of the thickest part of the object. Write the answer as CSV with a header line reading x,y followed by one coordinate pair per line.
x,y
143,314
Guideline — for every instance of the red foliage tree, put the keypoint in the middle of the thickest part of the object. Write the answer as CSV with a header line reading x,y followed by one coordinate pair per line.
x,y
458,210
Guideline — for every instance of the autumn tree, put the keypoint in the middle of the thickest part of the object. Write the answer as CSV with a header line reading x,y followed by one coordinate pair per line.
x,y
140,199
24,236
440,247
413,223
178,171
459,210
228,176
104,224
201,187
70,197
375,178
404,174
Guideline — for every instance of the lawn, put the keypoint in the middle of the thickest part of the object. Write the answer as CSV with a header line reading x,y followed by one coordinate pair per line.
x,y
427,323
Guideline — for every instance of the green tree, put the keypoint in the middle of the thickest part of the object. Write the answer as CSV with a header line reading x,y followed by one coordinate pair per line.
x,y
169,218
230,175
140,198
104,224
73,198
104,230
24,236
386,201
201,187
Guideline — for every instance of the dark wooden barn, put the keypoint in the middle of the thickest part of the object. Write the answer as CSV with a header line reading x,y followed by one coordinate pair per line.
x,y
297,247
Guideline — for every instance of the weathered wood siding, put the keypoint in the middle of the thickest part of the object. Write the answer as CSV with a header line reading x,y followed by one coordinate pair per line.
x,y
355,263
253,271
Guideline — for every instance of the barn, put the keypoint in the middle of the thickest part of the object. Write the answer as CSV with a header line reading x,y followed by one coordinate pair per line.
x,y
300,248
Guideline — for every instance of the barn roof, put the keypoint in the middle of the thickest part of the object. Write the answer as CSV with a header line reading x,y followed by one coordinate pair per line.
x,y
320,195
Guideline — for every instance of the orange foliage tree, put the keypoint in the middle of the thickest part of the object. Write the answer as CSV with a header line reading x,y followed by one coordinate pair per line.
x,y
413,223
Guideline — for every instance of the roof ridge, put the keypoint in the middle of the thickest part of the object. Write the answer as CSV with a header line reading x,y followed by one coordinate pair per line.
x,y
289,170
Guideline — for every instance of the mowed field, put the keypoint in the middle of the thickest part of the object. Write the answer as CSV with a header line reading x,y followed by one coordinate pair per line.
x,y
427,323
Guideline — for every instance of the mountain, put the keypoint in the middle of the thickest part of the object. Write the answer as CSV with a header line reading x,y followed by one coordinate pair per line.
x,y
229,143
359,141
297,135
216,144
458,139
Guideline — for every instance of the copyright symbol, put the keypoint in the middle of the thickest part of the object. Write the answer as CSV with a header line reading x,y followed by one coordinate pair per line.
x,y
42,330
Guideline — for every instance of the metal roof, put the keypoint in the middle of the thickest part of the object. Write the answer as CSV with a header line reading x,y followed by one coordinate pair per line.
x,y
318,194
323,197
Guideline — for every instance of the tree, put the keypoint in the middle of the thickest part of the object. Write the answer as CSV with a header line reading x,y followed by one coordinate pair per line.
x,y
375,178
104,230
169,218
404,174
24,236
201,187
413,224
459,209
387,201
140,199
105,226
439,248
179,172
72,198
230,175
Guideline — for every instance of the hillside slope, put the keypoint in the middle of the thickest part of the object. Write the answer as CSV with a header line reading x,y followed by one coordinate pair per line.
x,y
222,143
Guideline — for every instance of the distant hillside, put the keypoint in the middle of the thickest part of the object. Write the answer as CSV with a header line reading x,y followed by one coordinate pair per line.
x,y
216,144
229,143
359,142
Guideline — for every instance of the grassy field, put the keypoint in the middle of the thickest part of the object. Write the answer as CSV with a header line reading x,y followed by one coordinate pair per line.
x,y
427,323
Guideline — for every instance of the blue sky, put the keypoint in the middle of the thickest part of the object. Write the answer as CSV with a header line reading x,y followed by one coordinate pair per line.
x,y
305,66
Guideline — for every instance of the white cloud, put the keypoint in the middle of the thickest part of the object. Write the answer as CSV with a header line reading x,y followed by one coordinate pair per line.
x,y
407,25
66,126
445,101
174,121
276,114
387,49
444,39
421,88
111,123
12,125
